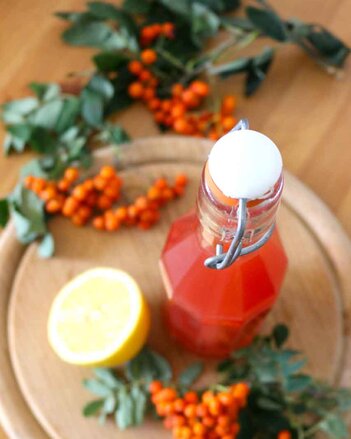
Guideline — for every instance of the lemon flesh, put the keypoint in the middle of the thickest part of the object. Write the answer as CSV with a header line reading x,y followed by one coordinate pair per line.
x,y
100,318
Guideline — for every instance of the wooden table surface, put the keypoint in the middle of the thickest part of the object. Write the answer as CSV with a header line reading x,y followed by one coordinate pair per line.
x,y
305,111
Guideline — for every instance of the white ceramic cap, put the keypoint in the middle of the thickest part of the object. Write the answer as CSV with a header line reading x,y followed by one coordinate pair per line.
x,y
245,164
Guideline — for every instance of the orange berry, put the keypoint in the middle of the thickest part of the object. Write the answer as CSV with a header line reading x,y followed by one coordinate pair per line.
x,y
107,172
191,397
225,398
77,220
100,183
99,223
167,194
228,105
153,193
213,134
178,110
147,33
168,29
48,193
135,67
166,105
88,185
38,185
214,407
190,98
223,420
91,199
70,206
136,90
63,185
145,75
179,405
159,117
199,429
121,213
181,126
79,193
161,183
177,89
235,428
84,212
200,88
148,56
143,225
111,223
104,202
178,420
141,203
228,123
166,395
240,390
155,387
186,433
28,181
168,423
208,421
284,434
71,174
181,180
207,396
53,206
154,104
190,411
201,410
149,93
178,191
112,192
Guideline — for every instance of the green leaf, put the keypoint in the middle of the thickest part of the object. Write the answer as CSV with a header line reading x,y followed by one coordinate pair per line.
x,y
93,34
92,108
268,22
239,65
268,404
108,377
189,375
179,7
297,383
47,115
148,365
92,407
334,426
109,405
136,6
42,141
97,388
21,106
22,131
45,91
33,167
238,22
221,5
109,61
47,246
140,404
291,368
102,86
75,17
205,23
69,113
280,334
4,212
125,411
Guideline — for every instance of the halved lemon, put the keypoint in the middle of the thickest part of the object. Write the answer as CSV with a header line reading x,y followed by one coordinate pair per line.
x,y
100,318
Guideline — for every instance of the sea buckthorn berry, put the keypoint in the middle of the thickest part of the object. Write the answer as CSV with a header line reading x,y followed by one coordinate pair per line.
x,y
135,67
28,181
142,225
207,396
201,410
178,420
136,90
99,223
88,185
161,183
186,433
228,105
179,191
214,407
168,29
48,193
155,387
154,193
199,429
200,88
149,94
177,90
132,211
79,193
148,56
191,397
228,123
84,212
181,180
181,126
104,202
38,185
121,213
112,192
284,434
91,199
63,185
240,390
168,423
154,104
159,117
111,223
70,206
190,411
141,203
166,395
223,420
107,172
208,421
77,220
100,183
145,76
167,194
190,98
178,110
179,405
53,206
71,174
225,398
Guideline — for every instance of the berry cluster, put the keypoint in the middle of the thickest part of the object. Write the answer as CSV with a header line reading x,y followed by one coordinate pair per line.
x,y
94,198
150,33
208,416
284,434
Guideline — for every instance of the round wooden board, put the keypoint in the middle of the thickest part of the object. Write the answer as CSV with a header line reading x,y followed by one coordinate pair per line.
x,y
41,397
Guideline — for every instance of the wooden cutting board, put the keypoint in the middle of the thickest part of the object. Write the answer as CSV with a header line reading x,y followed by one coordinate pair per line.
x,y
41,397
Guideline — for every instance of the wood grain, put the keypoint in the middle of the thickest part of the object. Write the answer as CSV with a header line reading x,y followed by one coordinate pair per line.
x,y
303,109
315,300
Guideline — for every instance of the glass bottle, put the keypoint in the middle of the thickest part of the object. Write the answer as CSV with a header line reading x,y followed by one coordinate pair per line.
x,y
216,304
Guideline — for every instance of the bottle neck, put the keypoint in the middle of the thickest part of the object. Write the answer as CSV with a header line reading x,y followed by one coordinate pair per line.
x,y
217,213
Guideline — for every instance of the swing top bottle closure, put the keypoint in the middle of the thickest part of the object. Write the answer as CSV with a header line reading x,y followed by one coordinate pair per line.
x,y
223,264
